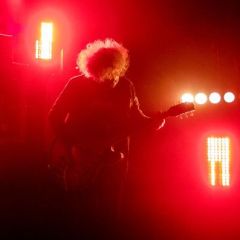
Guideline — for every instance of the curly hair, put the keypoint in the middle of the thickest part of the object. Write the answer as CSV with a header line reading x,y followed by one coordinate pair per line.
x,y
103,59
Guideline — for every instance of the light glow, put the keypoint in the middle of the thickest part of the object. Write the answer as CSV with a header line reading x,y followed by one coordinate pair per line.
x,y
214,98
187,97
44,45
229,97
201,98
219,160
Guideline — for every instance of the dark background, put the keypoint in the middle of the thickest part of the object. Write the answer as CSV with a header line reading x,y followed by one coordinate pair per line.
x,y
175,46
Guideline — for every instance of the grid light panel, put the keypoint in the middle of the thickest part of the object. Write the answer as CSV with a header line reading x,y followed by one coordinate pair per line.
x,y
219,160
44,46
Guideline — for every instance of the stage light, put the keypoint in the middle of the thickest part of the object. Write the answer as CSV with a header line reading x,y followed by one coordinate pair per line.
x,y
200,98
44,46
187,97
229,97
218,149
214,97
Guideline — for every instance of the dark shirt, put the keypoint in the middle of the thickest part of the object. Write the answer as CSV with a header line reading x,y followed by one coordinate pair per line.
x,y
95,115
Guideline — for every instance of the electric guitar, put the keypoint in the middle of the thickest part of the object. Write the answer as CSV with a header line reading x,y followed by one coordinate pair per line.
x,y
76,168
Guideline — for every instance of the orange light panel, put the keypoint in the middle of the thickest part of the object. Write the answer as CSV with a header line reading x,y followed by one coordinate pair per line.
x,y
219,160
187,97
44,45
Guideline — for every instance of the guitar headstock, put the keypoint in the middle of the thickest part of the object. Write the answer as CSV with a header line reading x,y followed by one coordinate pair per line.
x,y
180,109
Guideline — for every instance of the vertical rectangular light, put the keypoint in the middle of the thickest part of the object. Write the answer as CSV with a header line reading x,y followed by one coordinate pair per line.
x,y
44,45
218,149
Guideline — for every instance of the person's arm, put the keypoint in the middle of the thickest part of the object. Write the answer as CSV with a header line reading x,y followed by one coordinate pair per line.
x,y
139,119
59,111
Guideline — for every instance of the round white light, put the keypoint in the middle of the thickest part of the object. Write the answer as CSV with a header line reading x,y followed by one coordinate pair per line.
x,y
229,97
200,98
214,97
187,97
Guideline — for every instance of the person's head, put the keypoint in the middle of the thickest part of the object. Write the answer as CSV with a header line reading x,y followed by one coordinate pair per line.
x,y
104,60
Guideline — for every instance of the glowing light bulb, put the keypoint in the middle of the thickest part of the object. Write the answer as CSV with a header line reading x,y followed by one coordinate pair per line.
x,y
187,97
229,97
214,98
201,98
